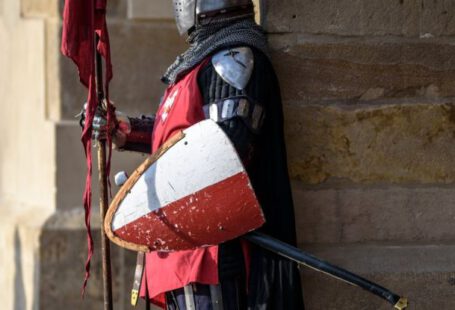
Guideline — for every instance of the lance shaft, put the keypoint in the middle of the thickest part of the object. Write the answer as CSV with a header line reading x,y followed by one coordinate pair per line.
x,y
103,189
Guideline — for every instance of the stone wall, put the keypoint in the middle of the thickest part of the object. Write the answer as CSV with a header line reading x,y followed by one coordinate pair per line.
x,y
368,88
369,92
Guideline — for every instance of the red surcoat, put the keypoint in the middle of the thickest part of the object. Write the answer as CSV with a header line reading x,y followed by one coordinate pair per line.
x,y
181,107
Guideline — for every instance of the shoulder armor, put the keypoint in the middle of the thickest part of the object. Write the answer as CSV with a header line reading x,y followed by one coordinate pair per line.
x,y
234,65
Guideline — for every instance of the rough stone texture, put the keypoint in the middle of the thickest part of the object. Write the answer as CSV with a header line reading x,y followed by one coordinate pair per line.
x,y
54,8
406,142
41,8
71,165
437,18
424,274
141,9
63,254
314,68
352,214
359,18
19,260
26,146
117,9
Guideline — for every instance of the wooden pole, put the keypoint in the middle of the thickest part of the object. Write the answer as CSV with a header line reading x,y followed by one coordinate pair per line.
x,y
103,190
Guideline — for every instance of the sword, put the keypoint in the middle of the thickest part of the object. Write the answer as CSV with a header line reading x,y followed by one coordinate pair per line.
x,y
295,254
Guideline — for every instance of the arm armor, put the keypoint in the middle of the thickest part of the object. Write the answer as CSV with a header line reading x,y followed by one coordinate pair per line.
x,y
228,87
232,93
139,138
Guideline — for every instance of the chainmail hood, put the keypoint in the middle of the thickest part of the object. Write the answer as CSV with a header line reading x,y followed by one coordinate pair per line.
x,y
212,37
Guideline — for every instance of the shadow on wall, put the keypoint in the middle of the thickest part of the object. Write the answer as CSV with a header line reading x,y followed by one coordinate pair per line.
x,y
20,301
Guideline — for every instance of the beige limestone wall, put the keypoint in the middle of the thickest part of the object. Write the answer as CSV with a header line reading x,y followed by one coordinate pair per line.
x,y
27,160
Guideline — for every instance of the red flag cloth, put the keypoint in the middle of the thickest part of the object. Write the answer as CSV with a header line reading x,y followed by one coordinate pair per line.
x,y
81,20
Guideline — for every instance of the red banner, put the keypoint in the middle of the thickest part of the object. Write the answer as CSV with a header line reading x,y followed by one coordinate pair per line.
x,y
82,19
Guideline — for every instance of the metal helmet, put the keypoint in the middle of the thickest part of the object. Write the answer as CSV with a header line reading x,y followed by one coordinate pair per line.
x,y
188,12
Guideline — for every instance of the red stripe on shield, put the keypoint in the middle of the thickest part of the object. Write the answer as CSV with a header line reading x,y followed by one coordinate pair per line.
x,y
207,217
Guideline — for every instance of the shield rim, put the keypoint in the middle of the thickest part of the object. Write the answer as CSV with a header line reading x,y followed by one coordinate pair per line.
x,y
124,190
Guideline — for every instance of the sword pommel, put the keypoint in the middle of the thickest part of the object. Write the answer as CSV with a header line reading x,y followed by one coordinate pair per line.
x,y
120,178
401,304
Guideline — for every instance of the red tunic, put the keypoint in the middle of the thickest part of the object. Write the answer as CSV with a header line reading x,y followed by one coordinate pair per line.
x,y
181,108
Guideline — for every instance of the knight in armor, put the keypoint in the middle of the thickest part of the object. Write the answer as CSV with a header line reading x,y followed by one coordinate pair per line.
x,y
225,75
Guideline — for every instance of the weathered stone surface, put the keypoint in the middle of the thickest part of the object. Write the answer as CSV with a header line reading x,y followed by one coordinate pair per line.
x,y
350,214
63,251
423,274
27,137
19,261
62,256
141,52
116,9
437,18
71,166
358,18
315,69
54,8
41,8
406,142
144,9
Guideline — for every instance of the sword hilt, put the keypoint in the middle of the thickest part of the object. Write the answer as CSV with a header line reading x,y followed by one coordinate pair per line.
x,y
120,178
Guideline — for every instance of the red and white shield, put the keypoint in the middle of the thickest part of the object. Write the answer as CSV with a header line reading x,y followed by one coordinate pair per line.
x,y
192,192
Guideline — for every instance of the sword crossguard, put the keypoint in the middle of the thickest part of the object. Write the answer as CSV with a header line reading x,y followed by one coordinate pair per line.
x,y
402,304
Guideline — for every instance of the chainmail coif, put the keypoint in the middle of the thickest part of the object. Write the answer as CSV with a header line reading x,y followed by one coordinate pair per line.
x,y
212,37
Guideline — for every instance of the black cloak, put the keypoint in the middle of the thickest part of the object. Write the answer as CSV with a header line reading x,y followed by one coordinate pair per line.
x,y
274,281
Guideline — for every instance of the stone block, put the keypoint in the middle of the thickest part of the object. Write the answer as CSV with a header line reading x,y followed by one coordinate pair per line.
x,y
424,274
144,9
19,261
41,8
413,18
346,17
437,18
141,52
71,166
354,214
405,142
116,9
26,164
316,69
63,251
54,8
